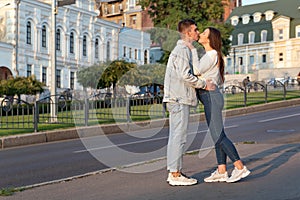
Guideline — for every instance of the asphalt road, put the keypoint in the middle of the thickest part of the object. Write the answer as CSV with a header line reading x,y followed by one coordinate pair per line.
x,y
29,165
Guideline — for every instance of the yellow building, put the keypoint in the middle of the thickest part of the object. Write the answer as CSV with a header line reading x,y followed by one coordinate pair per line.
x,y
265,40
124,12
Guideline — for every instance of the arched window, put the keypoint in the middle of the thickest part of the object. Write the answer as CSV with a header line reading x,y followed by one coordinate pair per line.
x,y
28,33
58,40
84,46
124,52
108,51
264,34
145,57
246,19
256,17
251,37
97,48
44,36
240,39
72,42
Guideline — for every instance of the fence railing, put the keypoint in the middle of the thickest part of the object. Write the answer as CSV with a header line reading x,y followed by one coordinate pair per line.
x,y
18,114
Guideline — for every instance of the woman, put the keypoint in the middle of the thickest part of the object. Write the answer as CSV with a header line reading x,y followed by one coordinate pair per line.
x,y
212,65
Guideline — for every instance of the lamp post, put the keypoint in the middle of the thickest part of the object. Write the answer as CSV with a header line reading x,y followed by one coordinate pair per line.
x,y
53,63
17,35
55,5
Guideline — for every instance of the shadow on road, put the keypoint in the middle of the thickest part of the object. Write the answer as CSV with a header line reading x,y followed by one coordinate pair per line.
x,y
267,161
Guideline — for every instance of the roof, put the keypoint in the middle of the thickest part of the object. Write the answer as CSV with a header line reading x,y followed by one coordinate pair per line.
x,y
288,8
283,7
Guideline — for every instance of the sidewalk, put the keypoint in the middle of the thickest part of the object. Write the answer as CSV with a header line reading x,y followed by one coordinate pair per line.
x,y
275,176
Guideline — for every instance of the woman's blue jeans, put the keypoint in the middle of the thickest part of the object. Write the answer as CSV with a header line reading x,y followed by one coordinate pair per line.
x,y
213,102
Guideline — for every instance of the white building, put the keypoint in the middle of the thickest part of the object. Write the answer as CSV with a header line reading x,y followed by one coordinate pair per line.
x,y
82,39
134,46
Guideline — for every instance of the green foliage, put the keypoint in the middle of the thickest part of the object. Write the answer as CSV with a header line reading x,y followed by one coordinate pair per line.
x,y
167,13
144,74
113,73
21,85
89,77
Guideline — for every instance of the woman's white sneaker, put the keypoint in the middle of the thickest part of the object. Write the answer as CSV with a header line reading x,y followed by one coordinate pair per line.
x,y
181,180
237,175
216,177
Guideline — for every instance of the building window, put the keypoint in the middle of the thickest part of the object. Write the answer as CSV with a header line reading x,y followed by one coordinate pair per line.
x,y
240,39
246,19
269,15
251,37
256,17
240,60
72,78
44,36
264,58
234,20
132,19
58,40
29,69
72,42
297,31
280,56
131,4
44,75
124,52
229,62
84,46
108,51
130,52
136,54
145,57
120,7
97,48
264,34
28,33
251,58
58,78
280,34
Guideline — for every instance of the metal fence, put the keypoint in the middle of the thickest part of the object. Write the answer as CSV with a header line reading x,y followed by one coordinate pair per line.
x,y
18,114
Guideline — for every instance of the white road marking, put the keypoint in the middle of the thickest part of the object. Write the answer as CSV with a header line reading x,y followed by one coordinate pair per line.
x,y
276,118
142,141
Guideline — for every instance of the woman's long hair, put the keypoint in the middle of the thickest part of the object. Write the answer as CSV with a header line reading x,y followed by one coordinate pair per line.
x,y
215,40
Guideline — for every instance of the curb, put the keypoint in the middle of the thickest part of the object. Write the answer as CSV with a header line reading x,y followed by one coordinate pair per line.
x,y
75,133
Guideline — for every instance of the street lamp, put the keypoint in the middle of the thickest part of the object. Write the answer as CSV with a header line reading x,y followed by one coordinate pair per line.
x,y
55,6
53,63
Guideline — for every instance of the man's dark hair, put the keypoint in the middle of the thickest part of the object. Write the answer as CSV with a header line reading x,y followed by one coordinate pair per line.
x,y
185,24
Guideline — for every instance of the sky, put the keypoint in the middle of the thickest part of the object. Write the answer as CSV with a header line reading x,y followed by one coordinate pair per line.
x,y
249,2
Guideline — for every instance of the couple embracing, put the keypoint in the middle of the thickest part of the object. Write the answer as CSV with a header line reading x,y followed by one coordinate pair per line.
x,y
187,80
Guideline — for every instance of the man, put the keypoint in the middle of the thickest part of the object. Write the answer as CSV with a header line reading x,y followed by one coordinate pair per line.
x,y
179,94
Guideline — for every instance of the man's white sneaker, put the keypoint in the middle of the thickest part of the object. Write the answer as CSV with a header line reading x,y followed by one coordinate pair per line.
x,y
180,180
237,175
216,177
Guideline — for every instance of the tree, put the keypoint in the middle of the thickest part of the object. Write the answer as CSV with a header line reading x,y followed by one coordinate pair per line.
x,y
167,13
21,85
89,77
113,73
144,74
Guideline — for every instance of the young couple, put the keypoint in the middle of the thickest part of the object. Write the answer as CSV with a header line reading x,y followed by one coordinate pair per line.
x,y
180,90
